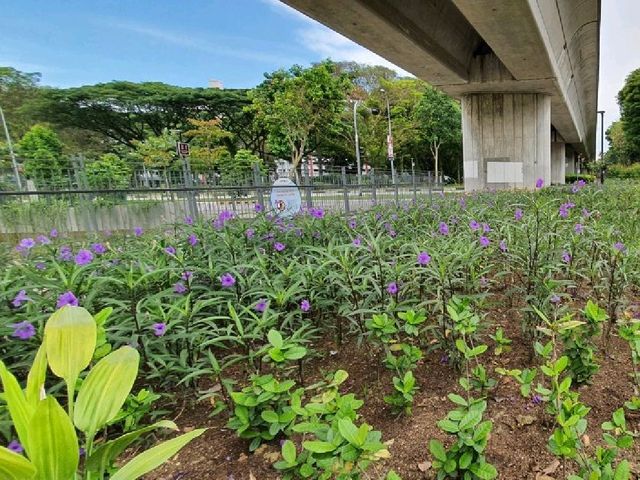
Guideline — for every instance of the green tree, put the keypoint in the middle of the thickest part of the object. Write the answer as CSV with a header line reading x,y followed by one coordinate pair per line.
x,y
618,149
629,101
126,112
108,172
41,151
299,106
238,169
16,89
157,151
438,118
209,143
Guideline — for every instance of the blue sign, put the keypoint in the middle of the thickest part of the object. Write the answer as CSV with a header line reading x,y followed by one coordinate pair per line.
x,y
285,197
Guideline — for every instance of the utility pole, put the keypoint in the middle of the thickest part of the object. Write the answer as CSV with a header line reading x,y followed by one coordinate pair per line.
x,y
601,112
389,139
14,162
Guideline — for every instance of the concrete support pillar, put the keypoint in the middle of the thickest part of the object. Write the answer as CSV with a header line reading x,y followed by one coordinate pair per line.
x,y
557,163
506,141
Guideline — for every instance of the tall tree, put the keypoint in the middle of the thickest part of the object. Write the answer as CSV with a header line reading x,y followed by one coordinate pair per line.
x,y
298,106
127,112
41,152
618,148
629,101
16,89
439,120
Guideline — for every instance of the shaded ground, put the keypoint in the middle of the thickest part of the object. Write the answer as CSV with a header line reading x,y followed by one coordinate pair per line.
x,y
517,446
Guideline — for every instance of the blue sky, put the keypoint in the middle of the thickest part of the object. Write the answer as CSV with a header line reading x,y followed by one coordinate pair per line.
x,y
188,42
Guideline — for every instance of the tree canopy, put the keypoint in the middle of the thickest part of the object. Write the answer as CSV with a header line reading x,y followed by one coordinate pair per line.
x,y
629,101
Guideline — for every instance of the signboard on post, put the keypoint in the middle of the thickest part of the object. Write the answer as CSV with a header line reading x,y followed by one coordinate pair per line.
x,y
389,146
183,149
285,197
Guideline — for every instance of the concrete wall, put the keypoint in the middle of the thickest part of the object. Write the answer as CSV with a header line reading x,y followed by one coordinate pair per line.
x,y
557,163
506,140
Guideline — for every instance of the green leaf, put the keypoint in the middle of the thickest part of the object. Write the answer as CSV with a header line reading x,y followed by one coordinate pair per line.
x,y
460,345
105,389
484,471
470,420
340,377
103,456
295,353
70,340
465,459
349,431
154,457
289,452
623,471
457,399
275,338
102,316
561,364
20,411
53,442
36,377
437,450
317,446
448,426
14,466
269,416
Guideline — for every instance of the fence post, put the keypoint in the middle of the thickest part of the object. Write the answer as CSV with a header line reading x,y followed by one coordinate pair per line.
x,y
413,182
395,190
373,186
257,181
188,183
430,189
81,180
345,190
307,187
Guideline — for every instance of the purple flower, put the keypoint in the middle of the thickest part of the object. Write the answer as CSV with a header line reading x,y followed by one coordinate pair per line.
x,y
484,241
40,266
261,306
352,223
23,330
443,228
278,247
186,276
357,242
539,183
159,329
42,240
170,250
579,228
188,220
536,399
392,288
193,240
65,253
67,298
258,208
317,212
474,225
20,298
462,202
227,280
250,232
518,214
619,246
53,233
26,244
179,288
484,282
566,257
138,231
83,257
305,306
98,248
503,245
15,447
392,233
223,217
486,228
423,258
555,299
586,213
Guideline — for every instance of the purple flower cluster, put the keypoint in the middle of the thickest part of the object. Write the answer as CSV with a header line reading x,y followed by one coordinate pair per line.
x,y
20,298
179,288
305,306
159,329
566,256
227,280
443,228
539,183
66,253
83,257
98,248
484,241
223,217
503,246
170,250
316,212
518,214
392,288
261,306
193,240
278,246
565,208
23,330
67,298
423,258
26,244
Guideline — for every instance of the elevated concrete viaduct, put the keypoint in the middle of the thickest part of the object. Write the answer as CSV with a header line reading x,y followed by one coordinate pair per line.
x,y
525,71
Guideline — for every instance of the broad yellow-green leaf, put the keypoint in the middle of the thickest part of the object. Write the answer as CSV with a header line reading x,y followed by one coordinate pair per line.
x,y
105,389
53,442
105,454
14,466
37,376
19,409
70,339
154,457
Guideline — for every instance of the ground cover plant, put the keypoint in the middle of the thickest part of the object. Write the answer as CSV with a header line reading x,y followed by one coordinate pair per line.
x,y
324,346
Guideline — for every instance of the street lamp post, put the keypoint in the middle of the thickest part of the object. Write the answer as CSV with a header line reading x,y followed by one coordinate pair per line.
x,y
601,113
357,139
14,162
389,139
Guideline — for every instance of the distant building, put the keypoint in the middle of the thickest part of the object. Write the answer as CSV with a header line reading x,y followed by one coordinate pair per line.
x,y
216,84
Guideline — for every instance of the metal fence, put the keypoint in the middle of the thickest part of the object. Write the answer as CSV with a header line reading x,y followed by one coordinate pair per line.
x,y
76,207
